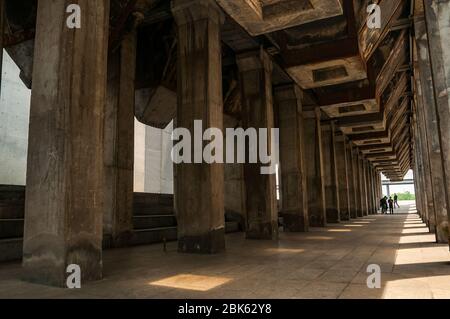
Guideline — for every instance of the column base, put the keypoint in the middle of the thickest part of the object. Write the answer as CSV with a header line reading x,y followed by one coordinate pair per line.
x,y
122,240
316,220
333,216
294,221
47,264
262,230
212,242
433,230
442,233
345,216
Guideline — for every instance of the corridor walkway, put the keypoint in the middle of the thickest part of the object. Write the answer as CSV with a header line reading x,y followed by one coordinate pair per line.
x,y
324,263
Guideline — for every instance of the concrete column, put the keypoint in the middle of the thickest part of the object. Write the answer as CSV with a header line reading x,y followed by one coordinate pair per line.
x,y
293,172
64,205
314,167
438,28
369,188
366,186
119,144
255,70
362,186
423,148
416,187
342,177
357,182
330,173
376,195
419,176
199,186
380,187
432,129
350,179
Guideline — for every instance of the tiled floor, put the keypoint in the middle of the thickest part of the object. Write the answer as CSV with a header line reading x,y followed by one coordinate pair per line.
x,y
324,263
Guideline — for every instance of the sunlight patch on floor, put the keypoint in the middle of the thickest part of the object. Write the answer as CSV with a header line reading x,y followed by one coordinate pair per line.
x,y
192,282
415,231
335,230
319,238
285,250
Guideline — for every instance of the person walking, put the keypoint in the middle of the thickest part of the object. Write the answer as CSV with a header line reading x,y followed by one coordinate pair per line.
x,y
396,201
391,205
383,204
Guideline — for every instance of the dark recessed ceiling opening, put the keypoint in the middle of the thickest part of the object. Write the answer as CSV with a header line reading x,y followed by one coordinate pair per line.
x,y
352,108
372,142
363,128
330,73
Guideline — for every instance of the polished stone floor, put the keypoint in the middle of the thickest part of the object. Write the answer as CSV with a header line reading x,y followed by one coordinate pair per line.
x,y
324,263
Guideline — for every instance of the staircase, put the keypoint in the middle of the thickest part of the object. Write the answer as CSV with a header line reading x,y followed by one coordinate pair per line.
x,y
12,200
154,220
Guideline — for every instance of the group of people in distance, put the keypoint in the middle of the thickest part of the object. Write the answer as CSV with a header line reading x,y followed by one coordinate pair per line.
x,y
389,203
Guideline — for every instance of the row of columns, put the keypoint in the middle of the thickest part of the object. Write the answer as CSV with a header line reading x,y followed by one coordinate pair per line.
x,y
432,116
80,162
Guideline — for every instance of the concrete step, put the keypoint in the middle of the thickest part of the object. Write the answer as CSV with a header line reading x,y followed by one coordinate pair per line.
x,y
154,221
12,210
12,201
155,235
11,228
152,210
11,249
148,199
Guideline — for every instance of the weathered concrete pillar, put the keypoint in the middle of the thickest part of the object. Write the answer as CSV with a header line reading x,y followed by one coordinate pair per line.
x,y
369,189
376,192
119,144
380,187
367,184
373,186
234,193
199,186
255,70
362,183
419,174
424,158
65,176
350,179
314,167
357,182
343,173
330,173
292,158
432,129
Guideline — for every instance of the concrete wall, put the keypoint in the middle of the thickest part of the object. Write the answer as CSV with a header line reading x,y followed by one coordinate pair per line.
x,y
14,118
153,166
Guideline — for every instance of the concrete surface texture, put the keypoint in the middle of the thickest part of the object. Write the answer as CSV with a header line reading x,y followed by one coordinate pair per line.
x,y
324,263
